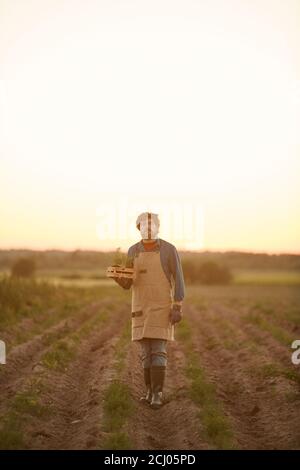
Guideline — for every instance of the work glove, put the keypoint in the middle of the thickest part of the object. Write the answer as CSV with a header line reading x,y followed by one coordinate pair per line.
x,y
175,314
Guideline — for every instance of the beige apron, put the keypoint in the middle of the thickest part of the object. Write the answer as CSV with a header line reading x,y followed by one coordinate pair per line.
x,y
151,299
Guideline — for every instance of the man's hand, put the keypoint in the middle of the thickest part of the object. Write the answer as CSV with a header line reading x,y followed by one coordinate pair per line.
x,y
175,314
123,282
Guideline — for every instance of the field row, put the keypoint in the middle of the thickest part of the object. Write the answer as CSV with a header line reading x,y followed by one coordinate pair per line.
x,y
73,377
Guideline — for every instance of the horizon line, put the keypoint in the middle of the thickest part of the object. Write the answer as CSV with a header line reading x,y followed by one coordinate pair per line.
x,y
202,250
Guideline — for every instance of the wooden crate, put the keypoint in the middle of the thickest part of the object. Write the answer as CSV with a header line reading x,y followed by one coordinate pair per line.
x,y
119,272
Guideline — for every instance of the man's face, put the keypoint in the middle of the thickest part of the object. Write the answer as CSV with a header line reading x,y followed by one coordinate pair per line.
x,y
149,229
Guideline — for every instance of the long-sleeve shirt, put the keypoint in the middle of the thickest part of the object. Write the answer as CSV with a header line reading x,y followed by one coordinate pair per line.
x,y
170,262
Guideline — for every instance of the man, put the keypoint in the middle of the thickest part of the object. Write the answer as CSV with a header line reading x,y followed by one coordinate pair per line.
x,y
157,295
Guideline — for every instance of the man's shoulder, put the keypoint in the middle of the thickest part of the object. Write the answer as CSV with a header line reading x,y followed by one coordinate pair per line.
x,y
133,248
167,245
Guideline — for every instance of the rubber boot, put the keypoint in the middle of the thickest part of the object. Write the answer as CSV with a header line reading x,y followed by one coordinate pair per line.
x,y
157,381
147,378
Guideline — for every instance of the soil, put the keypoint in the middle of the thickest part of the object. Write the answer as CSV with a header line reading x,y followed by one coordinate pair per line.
x,y
232,356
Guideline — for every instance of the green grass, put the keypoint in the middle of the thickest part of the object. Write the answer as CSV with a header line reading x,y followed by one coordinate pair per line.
x,y
122,347
21,298
277,332
292,397
203,393
43,304
273,370
118,441
89,325
63,351
229,342
11,435
184,332
59,356
261,276
82,278
118,404
210,343
27,402
24,406
276,310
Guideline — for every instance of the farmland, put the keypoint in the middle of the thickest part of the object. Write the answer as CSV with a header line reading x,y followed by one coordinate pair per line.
x,y
73,377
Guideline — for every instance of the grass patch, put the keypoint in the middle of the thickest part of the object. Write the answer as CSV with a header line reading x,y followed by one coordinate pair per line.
x,y
292,375
273,370
23,407
11,436
63,351
229,342
58,358
276,331
118,441
266,276
294,317
184,333
203,393
118,404
101,317
45,303
270,370
27,402
292,397
210,343
231,345
122,347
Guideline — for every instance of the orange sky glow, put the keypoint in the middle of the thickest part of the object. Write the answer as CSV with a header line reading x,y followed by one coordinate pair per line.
x,y
186,108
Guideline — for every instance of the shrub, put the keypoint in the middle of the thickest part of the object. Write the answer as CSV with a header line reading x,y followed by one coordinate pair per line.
x,y
212,273
205,273
189,271
23,267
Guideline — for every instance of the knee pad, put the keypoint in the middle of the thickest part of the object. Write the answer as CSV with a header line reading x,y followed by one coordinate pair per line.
x,y
159,358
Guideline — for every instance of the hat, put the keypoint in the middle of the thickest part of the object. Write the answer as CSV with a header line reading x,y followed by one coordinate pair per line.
x,y
143,217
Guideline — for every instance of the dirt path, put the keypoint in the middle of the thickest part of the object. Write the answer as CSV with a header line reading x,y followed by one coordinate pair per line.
x,y
75,396
22,360
256,405
176,425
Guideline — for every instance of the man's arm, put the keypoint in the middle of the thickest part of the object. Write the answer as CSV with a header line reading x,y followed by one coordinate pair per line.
x,y
124,282
177,273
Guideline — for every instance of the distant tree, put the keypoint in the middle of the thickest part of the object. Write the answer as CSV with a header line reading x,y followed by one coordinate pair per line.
x,y
23,267
212,273
208,272
189,270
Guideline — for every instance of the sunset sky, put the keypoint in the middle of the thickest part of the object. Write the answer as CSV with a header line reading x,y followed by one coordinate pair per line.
x,y
187,108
